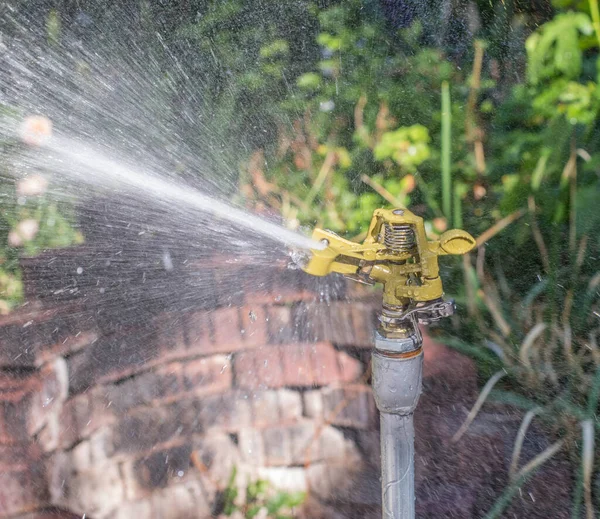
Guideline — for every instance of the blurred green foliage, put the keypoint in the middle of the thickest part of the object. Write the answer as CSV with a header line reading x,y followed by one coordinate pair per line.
x,y
259,500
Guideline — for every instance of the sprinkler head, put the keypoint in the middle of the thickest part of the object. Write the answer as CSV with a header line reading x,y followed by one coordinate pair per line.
x,y
396,253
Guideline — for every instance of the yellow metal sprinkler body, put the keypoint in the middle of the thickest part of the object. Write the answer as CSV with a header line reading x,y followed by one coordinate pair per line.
x,y
396,253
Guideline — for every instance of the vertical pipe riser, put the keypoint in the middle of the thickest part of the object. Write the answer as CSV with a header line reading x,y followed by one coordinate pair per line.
x,y
397,383
397,466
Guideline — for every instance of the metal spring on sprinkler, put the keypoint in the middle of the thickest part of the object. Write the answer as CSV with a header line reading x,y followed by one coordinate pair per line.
x,y
399,237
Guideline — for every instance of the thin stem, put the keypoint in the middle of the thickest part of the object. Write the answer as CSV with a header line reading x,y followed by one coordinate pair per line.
x,y
595,18
446,151
478,404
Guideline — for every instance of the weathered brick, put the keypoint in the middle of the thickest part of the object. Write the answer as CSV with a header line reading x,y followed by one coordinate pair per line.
x,y
170,334
111,358
364,319
217,455
146,428
297,365
280,326
127,510
290,405
66,346
350,406
22,491
207,375
159,469
254,325
227,330
13,420
14,458
227,286
350,369
334,322
277,446
30,338
313,404
48,400
154,385
259,368
287,479
13,388
333,445
265,408
303,442
198,332
251,446
83,414
181,501
97,491
227,411
325,364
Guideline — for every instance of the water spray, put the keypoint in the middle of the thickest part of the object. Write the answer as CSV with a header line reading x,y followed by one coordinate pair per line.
x,y
396,253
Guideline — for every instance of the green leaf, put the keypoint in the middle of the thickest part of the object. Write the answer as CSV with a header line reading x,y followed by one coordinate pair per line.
x,y
310,80
554,49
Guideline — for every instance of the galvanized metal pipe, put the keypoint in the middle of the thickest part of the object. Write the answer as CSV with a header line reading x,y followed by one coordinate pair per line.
x,y
397,466
397,382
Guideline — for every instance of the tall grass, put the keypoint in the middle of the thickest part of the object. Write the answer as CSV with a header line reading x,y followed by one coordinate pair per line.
x,y
446,152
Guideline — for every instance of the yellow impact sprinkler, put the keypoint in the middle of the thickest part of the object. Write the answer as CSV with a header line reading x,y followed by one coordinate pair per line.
x,y
396,253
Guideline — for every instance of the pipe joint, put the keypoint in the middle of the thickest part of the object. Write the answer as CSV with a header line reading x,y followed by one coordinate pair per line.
x,y
397,382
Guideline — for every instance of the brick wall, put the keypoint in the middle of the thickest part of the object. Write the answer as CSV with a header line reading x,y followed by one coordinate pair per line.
x,y
142,410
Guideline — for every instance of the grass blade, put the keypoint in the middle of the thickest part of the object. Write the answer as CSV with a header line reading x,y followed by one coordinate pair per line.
x,y
587,465
446,152
522,477
527,419
478,404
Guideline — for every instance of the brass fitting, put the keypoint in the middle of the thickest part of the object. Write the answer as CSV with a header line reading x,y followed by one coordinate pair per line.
x,y
396,253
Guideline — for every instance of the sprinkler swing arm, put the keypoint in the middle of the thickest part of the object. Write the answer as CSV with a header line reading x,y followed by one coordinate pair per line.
x,y
396,253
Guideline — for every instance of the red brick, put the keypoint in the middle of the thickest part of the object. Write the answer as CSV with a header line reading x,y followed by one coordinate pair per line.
x,y
325,365
277,446
67,346
265,408
244,369
198,331
290,404
86,413
227,331
363,327
13,420
47,402
280,325
15,388
350,406
297,365
254,326
207,375
14,458
21,491
350,368
259,368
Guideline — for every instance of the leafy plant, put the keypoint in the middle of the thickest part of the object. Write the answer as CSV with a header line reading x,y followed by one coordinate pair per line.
x,y
537,313
30,220
261,500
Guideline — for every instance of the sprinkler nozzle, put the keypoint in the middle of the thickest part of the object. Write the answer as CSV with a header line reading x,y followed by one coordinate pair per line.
x,y
396,253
